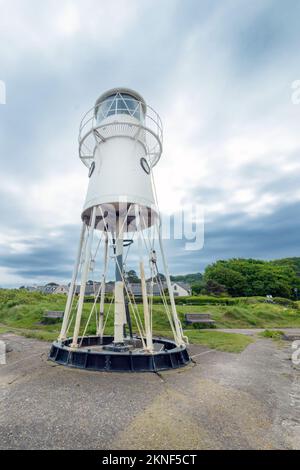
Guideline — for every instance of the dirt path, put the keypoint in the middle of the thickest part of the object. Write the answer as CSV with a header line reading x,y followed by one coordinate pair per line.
x,y
223,401
255,331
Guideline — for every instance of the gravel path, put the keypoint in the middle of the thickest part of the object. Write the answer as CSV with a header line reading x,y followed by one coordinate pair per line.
x,y
253,331
222,401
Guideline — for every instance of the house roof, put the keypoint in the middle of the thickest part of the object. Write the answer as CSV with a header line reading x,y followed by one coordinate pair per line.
x,y
62,286
183,285
136,288
90,289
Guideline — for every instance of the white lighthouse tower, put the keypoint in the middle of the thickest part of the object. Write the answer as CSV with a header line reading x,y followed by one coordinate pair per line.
x,y
120,141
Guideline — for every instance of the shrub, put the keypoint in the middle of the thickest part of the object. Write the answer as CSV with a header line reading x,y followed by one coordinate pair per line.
x,y
273,334
204,326
285,302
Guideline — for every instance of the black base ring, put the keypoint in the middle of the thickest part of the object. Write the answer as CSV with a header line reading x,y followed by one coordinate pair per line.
x,y
169,357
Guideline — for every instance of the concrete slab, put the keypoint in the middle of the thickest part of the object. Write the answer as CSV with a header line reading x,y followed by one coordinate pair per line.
x,y
221,401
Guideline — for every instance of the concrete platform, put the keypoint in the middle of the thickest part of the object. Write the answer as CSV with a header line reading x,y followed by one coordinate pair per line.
x,y
221,401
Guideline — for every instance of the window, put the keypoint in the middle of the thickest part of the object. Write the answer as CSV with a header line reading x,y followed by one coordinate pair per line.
x,y
145,165
121,103
106,108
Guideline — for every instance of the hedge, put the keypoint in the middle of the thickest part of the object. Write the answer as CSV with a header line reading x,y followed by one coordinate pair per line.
x,y
208,300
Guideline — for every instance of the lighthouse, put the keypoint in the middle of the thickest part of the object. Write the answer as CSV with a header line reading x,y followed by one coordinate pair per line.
x,y
120,142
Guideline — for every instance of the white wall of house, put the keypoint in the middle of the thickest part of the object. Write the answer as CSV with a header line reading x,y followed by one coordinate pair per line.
x,y
61,290
179,290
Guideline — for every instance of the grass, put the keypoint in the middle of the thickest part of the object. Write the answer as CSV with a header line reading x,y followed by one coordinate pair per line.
x,y
3,330
273,334
22,312
228,342
248,315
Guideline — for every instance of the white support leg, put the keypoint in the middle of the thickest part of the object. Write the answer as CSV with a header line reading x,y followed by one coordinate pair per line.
x,y
148,331
102,294
84,276
64,326
120,314
180,339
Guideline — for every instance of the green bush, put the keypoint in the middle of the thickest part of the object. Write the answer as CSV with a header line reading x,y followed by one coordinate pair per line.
x,y
91,298
247,277
204,326
286,302
273,334
204,300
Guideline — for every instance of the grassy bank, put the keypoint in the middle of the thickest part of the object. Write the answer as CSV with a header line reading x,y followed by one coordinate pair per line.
x,y
22,312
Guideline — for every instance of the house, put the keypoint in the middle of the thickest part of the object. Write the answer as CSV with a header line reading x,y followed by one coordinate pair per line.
x,y
91,288
110,287
61,290
48,288
136,289
30,288
181,289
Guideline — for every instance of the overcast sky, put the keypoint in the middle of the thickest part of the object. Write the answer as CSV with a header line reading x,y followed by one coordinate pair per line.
x,y
219,74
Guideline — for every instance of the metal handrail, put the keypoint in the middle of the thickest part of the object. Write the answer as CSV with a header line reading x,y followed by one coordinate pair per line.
x,y
151,124
115,123
158,122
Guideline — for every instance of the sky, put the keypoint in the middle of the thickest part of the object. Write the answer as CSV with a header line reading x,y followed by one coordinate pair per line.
x,y
221,77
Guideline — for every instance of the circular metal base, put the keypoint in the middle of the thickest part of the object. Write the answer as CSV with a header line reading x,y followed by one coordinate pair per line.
x,y
92,356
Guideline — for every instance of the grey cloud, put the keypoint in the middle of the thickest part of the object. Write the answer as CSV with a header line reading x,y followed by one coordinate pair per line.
x,y
230,236
267,237
227,54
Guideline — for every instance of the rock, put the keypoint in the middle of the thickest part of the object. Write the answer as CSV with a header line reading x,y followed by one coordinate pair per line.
x,y
8,348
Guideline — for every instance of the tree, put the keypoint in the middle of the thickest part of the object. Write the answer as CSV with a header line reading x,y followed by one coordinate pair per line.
x,y
132,277
247,277
194,278
232,280
161,277
197,288
214,287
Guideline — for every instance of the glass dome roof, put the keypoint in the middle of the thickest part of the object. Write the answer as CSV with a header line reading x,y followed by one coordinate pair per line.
x,y
119,102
